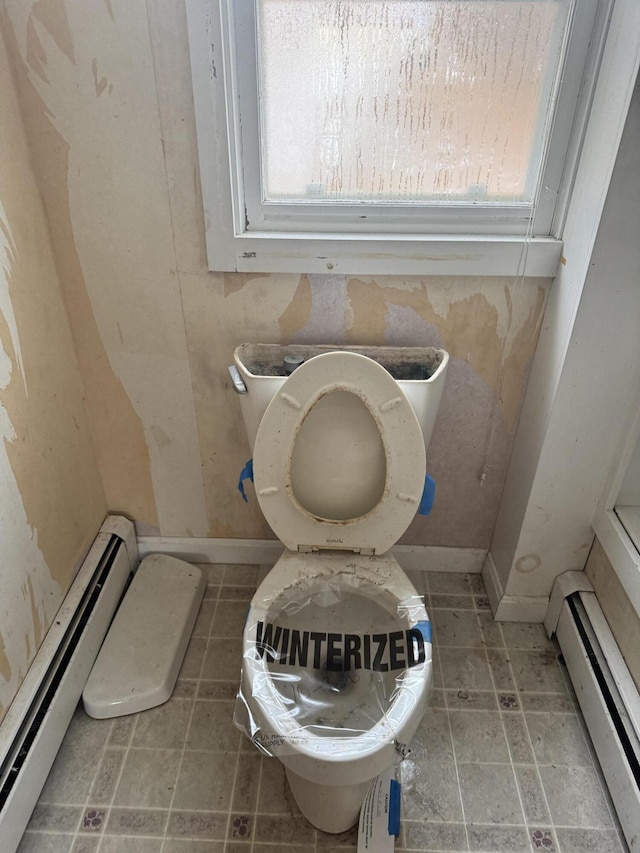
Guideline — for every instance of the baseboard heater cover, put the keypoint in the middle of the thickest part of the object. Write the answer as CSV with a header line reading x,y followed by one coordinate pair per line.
x,y
36,722
609,701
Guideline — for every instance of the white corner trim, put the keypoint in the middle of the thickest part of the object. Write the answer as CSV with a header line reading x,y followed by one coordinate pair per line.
x,y
492,582
522,608
564,586
265,552
511,608
125,529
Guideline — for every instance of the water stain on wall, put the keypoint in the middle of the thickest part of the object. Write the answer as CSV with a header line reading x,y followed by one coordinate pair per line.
x,y
53,15
296,315
468,329
120,443
233,282
5,665
489,328
51,497
38,619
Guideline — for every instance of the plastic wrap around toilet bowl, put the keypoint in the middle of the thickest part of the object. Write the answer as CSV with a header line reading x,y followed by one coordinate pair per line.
x,y
337,666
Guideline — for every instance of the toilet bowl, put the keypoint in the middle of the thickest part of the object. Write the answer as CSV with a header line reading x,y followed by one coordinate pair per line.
x,y
337,643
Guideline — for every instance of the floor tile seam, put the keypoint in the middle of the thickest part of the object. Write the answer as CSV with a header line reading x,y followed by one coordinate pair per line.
x,y
87,799
155,748
590,747
182,753
456,709
233,792
606,794
213,618
455,765
207,597
128,835
508,762
554,712
536,767
255,808
224,637
260,813
69,832
128,808
108,808
560,766
207,751
504,729
209,699
583,826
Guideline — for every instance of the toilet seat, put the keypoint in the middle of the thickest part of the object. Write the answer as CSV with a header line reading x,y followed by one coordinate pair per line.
x,y
401,435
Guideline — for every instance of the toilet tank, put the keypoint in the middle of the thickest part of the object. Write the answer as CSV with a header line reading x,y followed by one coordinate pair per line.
x,y
419,372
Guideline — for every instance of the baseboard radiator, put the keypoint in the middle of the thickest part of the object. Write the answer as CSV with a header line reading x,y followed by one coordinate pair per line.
x,y
608,698
35,724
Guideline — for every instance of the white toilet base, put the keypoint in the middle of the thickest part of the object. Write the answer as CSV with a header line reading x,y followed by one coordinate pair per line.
x,y
330,809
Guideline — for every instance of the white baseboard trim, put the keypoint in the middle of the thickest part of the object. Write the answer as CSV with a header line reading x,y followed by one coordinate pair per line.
x,y
258,552
492,582
564,586
435,558
511,608
265,552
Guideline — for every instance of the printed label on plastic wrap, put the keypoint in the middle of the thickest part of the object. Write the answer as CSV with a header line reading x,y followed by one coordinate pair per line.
x,y
328,659
343,652
380,815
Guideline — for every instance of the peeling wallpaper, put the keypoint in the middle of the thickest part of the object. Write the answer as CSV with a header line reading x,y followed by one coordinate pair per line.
x,y
106,93
488,326
51,497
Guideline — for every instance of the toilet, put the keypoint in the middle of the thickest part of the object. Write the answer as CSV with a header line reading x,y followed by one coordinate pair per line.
x,y
337,642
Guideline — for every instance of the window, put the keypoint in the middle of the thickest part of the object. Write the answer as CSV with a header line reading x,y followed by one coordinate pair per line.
x,y
389,135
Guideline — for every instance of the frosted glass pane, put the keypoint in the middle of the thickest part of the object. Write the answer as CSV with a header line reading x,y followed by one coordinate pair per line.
x,y
395,101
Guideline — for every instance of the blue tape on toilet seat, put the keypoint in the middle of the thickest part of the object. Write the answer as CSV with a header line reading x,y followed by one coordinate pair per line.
x,y
245,474
395,789
428,495
424,627
424,508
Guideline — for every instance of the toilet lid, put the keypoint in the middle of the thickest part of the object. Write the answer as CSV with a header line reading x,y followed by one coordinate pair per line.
x,y
402,449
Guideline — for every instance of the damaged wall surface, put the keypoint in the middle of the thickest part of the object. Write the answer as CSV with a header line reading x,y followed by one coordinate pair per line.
x,y
105,88
51,496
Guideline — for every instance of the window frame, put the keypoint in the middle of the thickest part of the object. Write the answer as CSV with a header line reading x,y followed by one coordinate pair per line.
x,y
621,548
454,240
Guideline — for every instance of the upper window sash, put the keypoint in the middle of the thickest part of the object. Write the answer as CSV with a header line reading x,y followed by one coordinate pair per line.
x,y
449,237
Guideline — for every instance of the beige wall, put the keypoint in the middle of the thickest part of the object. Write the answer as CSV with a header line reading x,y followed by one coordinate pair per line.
x,y
51,497
106,92
618,610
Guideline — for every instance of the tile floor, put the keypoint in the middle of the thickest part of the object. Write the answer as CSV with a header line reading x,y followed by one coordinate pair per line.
x,y
501,762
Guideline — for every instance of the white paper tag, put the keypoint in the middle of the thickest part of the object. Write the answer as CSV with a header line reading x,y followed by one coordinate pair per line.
x,y
380,815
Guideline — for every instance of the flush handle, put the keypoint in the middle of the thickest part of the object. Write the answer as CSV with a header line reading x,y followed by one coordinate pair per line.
x,y
238,383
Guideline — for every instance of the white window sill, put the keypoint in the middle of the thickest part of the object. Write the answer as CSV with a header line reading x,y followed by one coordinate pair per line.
x,y
388,255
